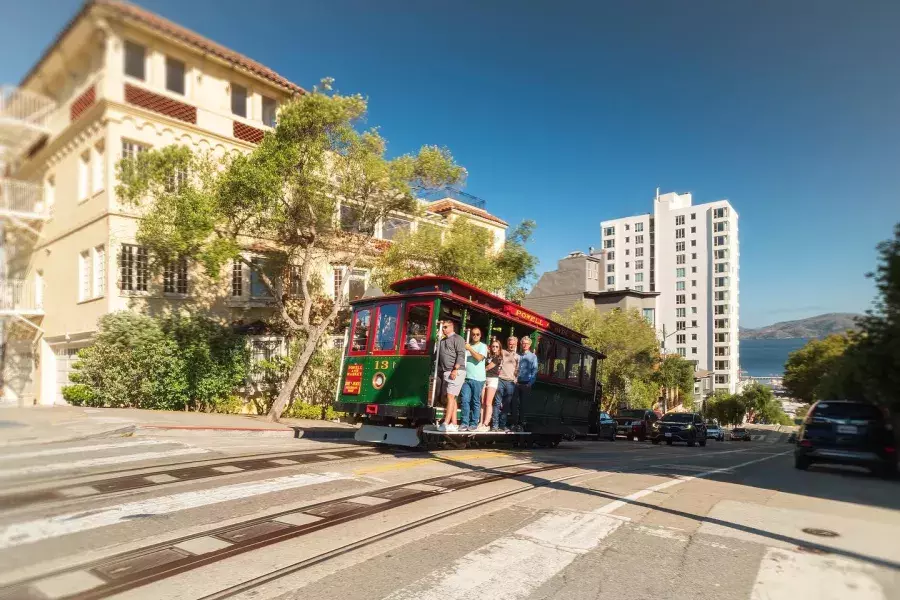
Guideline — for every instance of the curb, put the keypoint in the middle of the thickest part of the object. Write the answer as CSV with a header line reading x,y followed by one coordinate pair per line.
x,y
119,431
324,433
311,433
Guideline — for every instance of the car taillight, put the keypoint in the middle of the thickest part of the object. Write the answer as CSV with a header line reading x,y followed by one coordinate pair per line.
x,y
805,443
890,450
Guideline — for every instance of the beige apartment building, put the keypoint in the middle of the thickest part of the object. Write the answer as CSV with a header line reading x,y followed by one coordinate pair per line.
x,y
117,81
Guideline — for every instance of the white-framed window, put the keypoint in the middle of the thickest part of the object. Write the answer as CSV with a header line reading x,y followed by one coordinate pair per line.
x,y
680,325
135,60
693,296
134,268
679,272
679,338
720,254
679,233
627,251
694,350
638,226
640,288
99,270
693,243
679,220
681,351
721,365
131,150
720,213
693,256
84,175
720,240
679,312
610,268
721,267
679,246
84,275
679,299
627,240
679,259
638,264
627,226
639,277
175,277
721,281
720,309
679,285
237,278
611,280
693,216
175,75
693,337
609,243
721,296
98,168
238,100
639,251
721,338
693,310
269,111
693,283
721,323
693,269
693,230
638,239
611,255
722,351
393,226
693,323
722,379
626,264
176,180
609,231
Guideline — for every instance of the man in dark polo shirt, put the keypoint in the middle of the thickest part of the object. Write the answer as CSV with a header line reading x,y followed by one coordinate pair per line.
x,y
451,363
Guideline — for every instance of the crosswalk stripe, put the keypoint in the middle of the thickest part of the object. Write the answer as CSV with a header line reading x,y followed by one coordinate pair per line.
x,y
98,462
42,529
83,449
788,575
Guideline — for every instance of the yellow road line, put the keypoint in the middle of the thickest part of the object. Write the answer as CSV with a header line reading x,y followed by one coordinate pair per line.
x,y
411,464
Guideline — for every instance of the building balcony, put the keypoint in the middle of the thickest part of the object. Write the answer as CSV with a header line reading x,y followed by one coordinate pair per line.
x,y
23,200
20,298
24,120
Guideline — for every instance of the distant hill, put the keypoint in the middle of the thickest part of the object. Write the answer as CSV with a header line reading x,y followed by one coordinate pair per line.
x,y
813,327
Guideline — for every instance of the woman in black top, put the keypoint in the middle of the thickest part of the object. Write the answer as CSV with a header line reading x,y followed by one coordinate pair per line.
x,y
492,379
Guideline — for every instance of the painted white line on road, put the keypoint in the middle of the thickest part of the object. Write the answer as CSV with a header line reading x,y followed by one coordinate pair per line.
x,y
617,504
98,462
788,575
83,449
514,566
42,529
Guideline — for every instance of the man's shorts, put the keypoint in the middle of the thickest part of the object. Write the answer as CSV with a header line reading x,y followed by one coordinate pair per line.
x,y
453,387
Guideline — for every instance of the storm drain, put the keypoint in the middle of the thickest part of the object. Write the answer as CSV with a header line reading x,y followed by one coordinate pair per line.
x,y
820,532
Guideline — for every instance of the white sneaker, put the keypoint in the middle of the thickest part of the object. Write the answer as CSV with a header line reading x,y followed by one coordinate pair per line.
x,y
452,427
482,428
442,427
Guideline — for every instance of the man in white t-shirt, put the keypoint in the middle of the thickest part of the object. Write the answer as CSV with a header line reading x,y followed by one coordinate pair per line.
x,y
470,396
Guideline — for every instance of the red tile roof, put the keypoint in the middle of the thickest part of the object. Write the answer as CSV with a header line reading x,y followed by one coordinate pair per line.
x,y
164,26
448,204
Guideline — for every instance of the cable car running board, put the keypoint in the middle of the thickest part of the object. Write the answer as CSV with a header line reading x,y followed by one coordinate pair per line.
x,y
392,436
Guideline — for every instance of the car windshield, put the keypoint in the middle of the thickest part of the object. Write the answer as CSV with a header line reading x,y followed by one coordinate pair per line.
x,y
846,411
738,429
679,417
638,414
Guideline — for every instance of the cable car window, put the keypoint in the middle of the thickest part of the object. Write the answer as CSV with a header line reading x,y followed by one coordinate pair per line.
x,y
559,362
386,331
360,336
418,321
575,367
587,371
545,355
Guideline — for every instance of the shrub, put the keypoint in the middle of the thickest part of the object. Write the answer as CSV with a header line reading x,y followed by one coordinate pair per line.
x,y
79,395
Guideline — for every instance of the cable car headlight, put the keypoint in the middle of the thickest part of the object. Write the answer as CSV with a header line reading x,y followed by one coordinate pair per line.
x,y
378,381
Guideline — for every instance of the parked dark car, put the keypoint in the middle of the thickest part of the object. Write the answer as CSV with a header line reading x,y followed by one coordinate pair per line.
x,y
849,433
679,427
606,427
635,423
741,434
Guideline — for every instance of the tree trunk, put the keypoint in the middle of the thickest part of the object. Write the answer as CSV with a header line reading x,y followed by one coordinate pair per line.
x,y
284,396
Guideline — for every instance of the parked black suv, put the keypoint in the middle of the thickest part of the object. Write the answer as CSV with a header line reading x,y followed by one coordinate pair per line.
x,y
635,423
679,427
846,432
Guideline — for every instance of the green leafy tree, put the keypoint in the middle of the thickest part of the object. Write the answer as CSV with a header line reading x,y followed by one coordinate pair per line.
x,y
284,198
630,345
802,412
715,406
676,375
761,404
806,369
642,393
465,251
876,356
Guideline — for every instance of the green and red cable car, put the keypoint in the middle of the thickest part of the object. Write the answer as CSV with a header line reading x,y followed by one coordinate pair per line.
x,y
388,368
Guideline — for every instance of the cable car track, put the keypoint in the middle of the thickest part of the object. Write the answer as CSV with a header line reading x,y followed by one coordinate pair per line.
x,y
139,567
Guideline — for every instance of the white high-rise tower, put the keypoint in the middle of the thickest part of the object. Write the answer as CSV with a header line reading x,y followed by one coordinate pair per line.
x,y
690,255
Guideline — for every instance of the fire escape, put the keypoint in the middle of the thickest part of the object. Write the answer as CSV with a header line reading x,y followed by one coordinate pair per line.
x,y
24,120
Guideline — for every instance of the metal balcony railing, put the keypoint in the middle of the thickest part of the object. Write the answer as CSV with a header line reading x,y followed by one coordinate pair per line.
x,y
24,118
19,297
22,199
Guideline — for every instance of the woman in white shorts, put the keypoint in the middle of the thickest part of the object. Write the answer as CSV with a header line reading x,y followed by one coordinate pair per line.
x,y
492,380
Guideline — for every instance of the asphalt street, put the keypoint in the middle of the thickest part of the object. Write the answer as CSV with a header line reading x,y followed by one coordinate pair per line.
x,y
199,516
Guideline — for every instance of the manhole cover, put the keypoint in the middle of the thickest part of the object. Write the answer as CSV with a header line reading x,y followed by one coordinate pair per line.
x,y
820,532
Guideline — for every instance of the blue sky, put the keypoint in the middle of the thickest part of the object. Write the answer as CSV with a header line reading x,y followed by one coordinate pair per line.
x,y
574,112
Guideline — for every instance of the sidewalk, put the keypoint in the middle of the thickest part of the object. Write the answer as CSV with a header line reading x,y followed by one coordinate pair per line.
x,y
36,425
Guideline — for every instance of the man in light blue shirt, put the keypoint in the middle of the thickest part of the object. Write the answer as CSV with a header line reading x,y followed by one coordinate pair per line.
x,y
470,396
528,368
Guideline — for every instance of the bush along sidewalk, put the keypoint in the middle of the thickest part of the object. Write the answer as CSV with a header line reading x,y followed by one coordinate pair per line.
x,y
190,363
